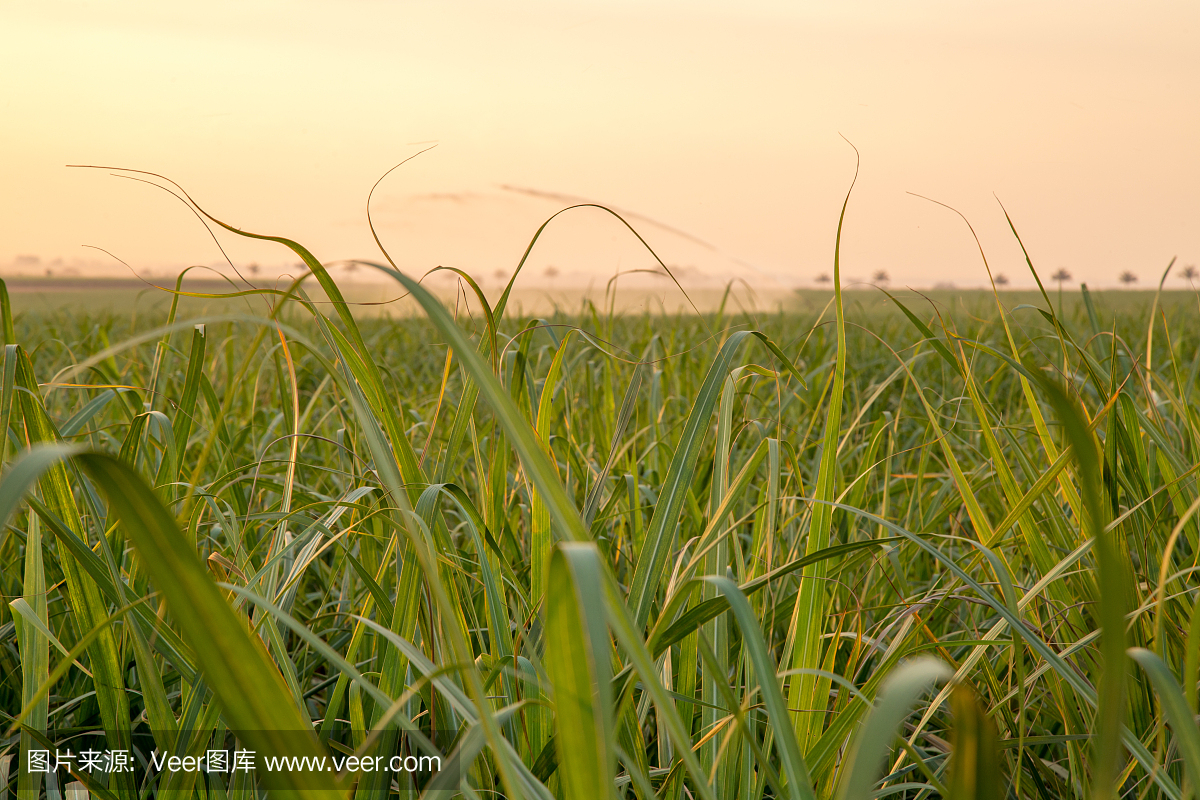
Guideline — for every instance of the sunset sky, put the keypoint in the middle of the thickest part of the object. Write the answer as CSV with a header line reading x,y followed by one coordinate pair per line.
x,y
715,126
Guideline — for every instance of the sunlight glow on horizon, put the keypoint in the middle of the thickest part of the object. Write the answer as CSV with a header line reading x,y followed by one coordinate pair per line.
x,y
714,126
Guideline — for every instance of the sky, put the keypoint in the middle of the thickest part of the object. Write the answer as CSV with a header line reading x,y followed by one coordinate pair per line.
x,y
719,131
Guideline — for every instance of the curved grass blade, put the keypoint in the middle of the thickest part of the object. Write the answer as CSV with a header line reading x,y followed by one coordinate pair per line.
x,y
522,438
660,639
798,780
896,699
660,536
577,659
251,692
1179,713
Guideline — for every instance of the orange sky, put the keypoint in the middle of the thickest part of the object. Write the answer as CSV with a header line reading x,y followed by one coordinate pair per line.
x,y
717,120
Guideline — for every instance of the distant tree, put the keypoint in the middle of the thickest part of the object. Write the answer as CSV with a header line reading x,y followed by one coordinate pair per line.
x,y
823,278
254,269
1190,274
1001,279
881,278
551,272
1128,278
1061,276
